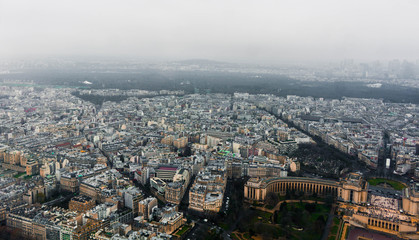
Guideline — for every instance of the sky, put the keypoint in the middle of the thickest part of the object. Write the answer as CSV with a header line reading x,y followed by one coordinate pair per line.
x,y
258,31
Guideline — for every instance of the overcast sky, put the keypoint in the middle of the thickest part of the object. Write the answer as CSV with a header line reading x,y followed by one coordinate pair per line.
x,y
238,31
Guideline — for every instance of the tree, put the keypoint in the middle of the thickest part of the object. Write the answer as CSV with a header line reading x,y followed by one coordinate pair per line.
x,y
310,207
329,200
301,193
185,152
272,199
283,207
319,224
288,194
286,219
251,232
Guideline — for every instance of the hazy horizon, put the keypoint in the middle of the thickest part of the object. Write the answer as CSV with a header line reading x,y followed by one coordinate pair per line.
x,y
266,32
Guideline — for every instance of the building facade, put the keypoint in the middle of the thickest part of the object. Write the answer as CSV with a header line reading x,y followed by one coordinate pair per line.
x,y
81,203
411,199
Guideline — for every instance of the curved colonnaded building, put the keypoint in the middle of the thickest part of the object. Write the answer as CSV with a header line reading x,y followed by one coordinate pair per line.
x,y
360,208
352,189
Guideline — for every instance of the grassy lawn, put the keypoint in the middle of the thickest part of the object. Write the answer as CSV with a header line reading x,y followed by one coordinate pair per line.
x,y
334,230
394,184
247,236
302,220
336,221
261,216
19,175
234,236
183,230
297,220
254,222
282,198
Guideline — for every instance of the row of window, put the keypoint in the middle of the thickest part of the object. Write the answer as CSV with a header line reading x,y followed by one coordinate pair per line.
x,y
382,224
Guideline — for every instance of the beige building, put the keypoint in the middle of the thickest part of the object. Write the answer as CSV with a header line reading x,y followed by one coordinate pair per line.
x,y
175,190
180,142
91,191
32,168
70,184
34,195
234,169
168,140
81,203
353,189
13,160
2,213
171,221
23,222
380,214
256,189
410,200
203,198
132,196
213,201
397,225
197,197
387,220
145,207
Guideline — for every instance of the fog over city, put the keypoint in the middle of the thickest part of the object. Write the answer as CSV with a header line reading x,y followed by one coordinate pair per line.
x,y
268,32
